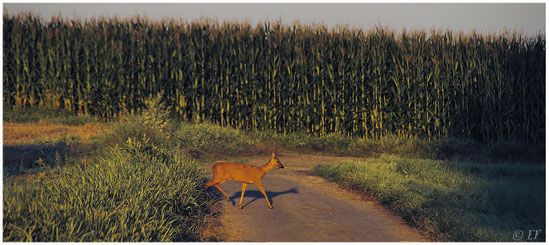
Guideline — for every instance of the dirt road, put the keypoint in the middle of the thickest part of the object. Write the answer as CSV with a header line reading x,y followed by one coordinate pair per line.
x,y
306,208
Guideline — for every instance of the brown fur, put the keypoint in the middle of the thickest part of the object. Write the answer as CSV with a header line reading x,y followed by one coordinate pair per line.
x,y
246,174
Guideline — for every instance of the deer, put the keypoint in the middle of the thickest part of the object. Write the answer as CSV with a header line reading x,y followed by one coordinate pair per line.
x,y
247,174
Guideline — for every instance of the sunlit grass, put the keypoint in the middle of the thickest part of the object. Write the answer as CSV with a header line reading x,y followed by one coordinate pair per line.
x,y
31,146
39,132
45,116
134,189
134,192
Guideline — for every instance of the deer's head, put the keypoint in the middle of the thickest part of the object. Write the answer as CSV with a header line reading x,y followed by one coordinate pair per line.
x,y
274,161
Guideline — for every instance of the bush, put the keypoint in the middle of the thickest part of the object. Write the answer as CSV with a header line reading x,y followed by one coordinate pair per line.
x,y
151,126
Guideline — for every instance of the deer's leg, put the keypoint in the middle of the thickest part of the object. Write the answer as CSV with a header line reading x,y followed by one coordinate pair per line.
x,y
258,185
210,183
222,191
213,182
242,195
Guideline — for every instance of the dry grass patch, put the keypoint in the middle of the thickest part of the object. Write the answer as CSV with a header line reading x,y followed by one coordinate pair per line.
x,y
28,133
34,147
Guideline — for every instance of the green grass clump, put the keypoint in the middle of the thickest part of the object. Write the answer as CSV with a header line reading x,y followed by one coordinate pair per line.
x,y
452,201
206,138
136,191
151,124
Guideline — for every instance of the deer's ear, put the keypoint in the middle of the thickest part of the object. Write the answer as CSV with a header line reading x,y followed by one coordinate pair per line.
x,y
273,156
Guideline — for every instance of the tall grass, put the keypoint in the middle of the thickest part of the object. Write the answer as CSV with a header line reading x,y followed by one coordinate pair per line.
x,y
135,192
139,189
368,84
452,201
206,138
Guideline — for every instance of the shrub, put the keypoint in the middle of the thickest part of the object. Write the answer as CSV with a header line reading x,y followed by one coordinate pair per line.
x,y
150,125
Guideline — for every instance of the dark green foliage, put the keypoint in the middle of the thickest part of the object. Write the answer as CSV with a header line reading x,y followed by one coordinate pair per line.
x,y
283,78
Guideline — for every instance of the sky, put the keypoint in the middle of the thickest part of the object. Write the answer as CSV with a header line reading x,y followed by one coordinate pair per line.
x,y
526,18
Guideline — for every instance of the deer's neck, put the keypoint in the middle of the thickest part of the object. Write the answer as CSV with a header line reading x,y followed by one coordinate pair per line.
x,y
267,167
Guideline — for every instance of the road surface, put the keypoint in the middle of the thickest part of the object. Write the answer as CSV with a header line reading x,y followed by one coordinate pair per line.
x,y
306,208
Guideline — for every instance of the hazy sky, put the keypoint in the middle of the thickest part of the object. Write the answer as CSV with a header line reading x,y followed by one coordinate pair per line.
x,y
486,17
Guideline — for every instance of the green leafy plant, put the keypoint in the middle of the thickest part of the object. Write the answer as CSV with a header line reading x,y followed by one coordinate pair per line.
x,y
363,83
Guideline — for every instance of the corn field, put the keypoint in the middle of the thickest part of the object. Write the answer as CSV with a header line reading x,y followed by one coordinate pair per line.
x,y
306,78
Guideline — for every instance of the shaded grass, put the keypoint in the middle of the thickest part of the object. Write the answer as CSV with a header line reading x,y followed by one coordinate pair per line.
x,y
452,201
442,149
31,158
46,115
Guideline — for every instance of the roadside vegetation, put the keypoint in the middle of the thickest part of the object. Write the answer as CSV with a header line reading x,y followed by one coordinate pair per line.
x,y
139,188
452,200
442,149
455,190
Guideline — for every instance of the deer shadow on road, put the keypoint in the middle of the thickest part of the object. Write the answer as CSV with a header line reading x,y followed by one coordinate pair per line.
x,y
257,195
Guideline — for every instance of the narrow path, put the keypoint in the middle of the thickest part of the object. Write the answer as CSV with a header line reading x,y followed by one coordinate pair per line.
x,y
306,208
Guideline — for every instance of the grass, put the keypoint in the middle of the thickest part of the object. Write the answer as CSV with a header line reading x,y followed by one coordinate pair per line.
x,y
443,149
452,201
201,140
136,180
205,140
133,192
46,116
136,188
40,132
35,139
29,147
